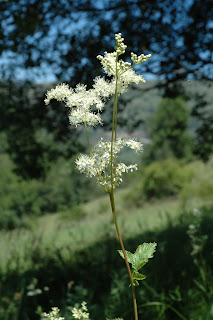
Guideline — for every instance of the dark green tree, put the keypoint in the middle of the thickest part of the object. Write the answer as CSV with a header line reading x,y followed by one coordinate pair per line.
x,y
168,134
203,112
36,135
204,142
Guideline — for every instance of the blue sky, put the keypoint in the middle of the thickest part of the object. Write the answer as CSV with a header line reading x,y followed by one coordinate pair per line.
x,y
45,73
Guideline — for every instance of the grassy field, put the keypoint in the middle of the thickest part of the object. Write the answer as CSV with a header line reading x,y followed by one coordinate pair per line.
x,y
88,223
58,231
81,245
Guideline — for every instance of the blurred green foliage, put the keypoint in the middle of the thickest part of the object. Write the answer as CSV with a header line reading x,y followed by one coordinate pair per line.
x,y
160,179
169,134
36,135
201,184
165,178
172,177
21,200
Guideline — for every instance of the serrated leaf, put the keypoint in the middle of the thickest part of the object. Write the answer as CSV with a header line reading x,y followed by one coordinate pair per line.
x,y
129,255
144,252
141,256
138,264
138,276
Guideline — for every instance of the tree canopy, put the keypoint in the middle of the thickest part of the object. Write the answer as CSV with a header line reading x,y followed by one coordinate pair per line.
x,y
62,38
36,135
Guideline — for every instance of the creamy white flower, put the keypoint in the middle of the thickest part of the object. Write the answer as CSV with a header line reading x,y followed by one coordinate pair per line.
x,y
79,115
108,62
103,88
86,164
81,313
119,69
81,101
60,93
99,162
120,46
110,66
139,59
134,144
53,315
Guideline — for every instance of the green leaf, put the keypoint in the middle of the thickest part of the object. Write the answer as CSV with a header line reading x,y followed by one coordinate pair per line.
x,y
138,276
143,253
129,255
200,286
141,256
135,283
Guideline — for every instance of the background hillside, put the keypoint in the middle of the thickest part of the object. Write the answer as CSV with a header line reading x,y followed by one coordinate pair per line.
x,y
56,226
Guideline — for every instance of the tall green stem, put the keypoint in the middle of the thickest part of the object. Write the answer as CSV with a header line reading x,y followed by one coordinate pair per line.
x,y
112,201
111,192
114,126
87,137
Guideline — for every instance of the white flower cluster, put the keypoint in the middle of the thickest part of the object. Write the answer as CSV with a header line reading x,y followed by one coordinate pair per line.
x,y
120,46
103,89
120,69
139,59
98,163
53,315
81,313
60,93
83,102
80,101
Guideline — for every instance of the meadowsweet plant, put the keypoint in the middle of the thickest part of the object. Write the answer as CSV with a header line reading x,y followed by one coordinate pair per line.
x,y
53,314
81,313
77,313
102,160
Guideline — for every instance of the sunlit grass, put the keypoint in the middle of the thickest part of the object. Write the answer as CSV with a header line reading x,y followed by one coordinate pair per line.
x,y
54,232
